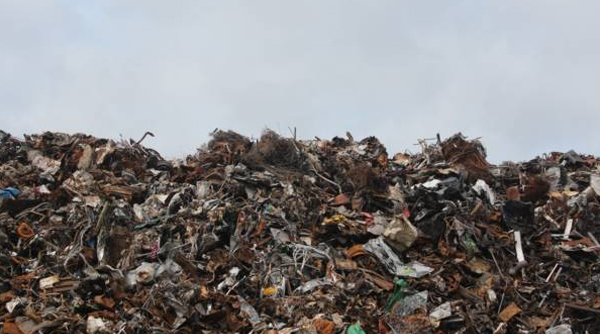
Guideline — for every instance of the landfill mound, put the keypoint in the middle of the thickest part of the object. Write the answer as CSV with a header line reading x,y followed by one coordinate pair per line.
x,y
278,235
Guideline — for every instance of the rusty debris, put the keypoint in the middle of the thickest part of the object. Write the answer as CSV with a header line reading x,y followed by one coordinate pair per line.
x,y
281,235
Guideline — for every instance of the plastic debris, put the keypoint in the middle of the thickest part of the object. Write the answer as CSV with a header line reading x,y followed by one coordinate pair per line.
x,y
560,329
401,232
392,262
483,189
439,313
399,287
9,192
408,305
355,329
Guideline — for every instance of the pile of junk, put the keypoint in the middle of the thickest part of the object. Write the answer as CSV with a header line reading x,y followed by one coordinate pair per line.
x,y
280,235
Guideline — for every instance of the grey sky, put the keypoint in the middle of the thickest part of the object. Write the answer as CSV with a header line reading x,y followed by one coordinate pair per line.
x,y
524,75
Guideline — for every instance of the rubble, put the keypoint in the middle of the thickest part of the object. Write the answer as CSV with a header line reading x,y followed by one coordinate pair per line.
x,y
279,235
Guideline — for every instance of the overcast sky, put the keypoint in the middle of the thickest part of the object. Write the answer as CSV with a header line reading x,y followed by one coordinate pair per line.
x,y
523,75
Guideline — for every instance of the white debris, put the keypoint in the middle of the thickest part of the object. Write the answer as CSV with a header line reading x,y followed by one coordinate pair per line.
x,y
560,329
48,282
519,247
142,274
47,165
203,189
595,183
568,228
482,188
431,184
410,304
96,325
378,225
313,284
392,262
401,233
13,303
230,280
441,312
43,190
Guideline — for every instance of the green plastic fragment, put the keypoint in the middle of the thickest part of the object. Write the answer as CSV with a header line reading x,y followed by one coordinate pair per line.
x,y
399,286
355,329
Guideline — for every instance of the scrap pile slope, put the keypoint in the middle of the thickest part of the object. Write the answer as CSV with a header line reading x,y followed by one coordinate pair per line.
x,y
279,235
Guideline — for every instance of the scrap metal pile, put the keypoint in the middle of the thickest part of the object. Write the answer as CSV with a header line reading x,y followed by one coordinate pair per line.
x,y
279,235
